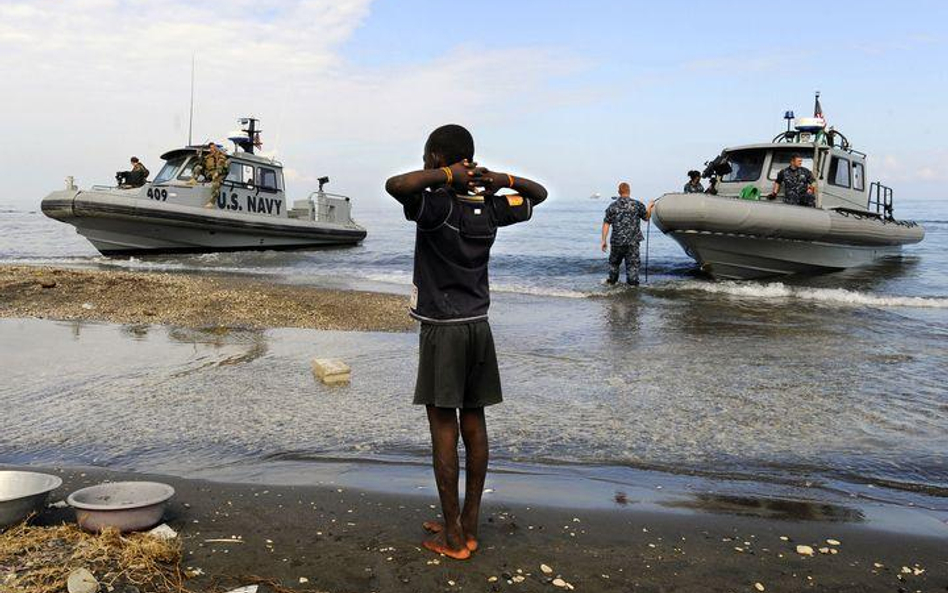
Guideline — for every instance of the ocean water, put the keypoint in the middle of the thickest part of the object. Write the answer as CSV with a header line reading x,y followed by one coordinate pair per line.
x,y
836,382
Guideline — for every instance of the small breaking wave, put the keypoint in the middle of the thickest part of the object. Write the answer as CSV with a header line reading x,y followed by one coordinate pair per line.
x,y
825,296
546,291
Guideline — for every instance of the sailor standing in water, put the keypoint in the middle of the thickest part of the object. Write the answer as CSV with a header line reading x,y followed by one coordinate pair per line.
x,y
624,216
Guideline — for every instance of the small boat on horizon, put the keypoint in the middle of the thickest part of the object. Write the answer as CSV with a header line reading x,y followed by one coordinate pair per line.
x,y
178,212
734,232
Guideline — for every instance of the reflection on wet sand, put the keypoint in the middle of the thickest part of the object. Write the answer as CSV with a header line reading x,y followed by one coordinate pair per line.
x,y
768,508
252,342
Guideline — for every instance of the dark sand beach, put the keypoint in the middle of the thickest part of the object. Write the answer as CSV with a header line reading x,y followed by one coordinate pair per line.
x,y
189,300
324,538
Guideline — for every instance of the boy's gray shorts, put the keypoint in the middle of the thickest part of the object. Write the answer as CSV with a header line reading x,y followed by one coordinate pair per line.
x,y
457,366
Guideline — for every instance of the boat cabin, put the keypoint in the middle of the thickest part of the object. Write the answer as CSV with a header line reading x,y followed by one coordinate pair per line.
x,y
254,184
840,171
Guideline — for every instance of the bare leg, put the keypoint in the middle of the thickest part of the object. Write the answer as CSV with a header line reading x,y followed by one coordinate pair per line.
x,y
443,423
474,433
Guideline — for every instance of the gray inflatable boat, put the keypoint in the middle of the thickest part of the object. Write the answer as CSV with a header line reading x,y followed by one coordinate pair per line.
x,y
734,231
178,211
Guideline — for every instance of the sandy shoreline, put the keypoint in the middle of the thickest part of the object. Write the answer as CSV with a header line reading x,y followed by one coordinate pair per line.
x,y
191,300
341,539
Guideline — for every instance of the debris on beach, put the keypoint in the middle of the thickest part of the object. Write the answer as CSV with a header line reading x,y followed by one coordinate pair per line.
x,y
45,559
833,542
81,581
225,540
805,550
545,569
164,532
331,371
759,586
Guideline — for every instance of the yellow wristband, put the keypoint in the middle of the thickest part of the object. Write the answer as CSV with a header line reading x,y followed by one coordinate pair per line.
x,y
510,180
447,171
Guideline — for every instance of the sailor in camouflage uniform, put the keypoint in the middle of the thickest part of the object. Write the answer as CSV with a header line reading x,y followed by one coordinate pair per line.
x,y
624,216
135,177
213,166
797,183
694,183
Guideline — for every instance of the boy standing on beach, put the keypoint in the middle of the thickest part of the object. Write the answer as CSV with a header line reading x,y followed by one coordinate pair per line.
x,y
457,366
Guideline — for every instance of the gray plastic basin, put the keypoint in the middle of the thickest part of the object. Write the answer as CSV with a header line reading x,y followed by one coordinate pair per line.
x,y
126,506
22,493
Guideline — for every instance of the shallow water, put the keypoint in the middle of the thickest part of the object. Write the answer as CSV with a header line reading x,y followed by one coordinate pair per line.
x,y
835,383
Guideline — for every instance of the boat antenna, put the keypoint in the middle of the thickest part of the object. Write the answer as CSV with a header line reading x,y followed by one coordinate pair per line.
x,y
817,108
788,115
191,111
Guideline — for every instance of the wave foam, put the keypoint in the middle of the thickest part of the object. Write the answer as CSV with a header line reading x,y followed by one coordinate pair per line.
x,y
547,291
827,296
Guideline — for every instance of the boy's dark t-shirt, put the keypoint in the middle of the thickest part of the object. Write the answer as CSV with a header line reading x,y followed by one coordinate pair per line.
x,y
453,239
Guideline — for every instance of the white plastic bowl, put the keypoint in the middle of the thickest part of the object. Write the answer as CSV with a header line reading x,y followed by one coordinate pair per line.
x,y
22,493
126,506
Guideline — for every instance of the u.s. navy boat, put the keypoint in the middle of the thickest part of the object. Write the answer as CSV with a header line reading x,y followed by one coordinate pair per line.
x,y
177,211
734,231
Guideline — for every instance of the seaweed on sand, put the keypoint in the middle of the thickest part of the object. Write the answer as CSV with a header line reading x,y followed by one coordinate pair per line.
x,y
40,559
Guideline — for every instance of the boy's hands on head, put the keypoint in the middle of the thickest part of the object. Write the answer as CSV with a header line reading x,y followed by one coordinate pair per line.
x,y
494,182
490,182
467,176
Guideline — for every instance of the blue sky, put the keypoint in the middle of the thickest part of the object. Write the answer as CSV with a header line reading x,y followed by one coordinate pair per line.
x,y
579,95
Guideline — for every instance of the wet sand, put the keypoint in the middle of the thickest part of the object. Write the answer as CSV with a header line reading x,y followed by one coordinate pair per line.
x,y
190,300
340,539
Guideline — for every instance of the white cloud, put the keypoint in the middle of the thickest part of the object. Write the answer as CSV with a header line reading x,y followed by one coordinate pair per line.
x,y
930,167
93,81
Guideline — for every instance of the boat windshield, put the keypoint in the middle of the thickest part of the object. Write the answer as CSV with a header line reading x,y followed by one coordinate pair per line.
x,y
746,165
167,172
781,160
188,171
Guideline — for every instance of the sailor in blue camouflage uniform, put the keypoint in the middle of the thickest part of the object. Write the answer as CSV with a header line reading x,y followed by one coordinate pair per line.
x,y
797,183
624,217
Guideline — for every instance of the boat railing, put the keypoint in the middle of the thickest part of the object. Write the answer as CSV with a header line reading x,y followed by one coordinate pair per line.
x,y
326,194
880,200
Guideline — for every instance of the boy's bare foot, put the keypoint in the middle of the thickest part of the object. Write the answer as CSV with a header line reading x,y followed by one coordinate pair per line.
x,y
437,527
439,545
